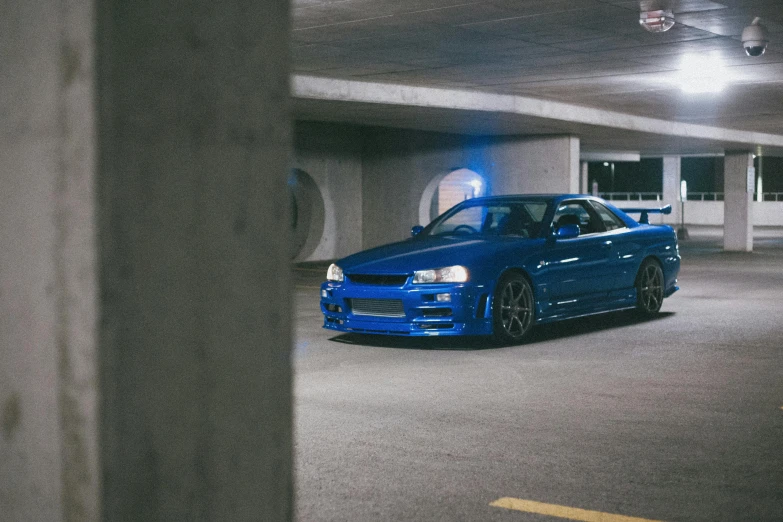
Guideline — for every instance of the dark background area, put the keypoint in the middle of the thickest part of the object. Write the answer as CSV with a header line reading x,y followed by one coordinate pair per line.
x,y
629,176
703,174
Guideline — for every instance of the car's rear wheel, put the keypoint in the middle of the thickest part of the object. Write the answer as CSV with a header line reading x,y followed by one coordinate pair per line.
x,y
512,309
649,288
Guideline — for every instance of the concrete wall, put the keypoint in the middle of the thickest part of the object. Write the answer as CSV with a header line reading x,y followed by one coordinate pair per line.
x,y
159,210
385,172
332,156
765,213
398,166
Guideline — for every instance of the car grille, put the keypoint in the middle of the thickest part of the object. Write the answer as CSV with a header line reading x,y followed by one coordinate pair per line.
x,y
375,279
378,307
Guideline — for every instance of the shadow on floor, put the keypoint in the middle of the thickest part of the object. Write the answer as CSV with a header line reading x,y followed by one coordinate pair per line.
x,y
543,333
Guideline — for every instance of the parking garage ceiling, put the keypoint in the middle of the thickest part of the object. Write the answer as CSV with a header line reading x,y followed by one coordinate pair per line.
x,y
585,54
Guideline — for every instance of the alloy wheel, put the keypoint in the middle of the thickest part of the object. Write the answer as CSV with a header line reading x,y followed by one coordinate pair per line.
x,y
651,288
516,307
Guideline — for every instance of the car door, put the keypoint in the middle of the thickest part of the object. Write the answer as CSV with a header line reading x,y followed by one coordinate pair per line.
x,y
577,271
626,251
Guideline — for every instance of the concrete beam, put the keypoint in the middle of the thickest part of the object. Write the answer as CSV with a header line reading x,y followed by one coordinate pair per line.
x,y
609,155
568,118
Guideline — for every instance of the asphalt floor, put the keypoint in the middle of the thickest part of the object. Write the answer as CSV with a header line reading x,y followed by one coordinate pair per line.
x,y
674,418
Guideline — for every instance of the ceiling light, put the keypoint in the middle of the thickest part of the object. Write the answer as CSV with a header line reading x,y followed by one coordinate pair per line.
x,y
657,21
702,73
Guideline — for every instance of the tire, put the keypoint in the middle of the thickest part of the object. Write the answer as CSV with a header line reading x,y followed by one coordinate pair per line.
x,y
649,288
513,310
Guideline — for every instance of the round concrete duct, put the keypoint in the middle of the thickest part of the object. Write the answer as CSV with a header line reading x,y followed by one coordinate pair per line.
x,y
449,188
307,214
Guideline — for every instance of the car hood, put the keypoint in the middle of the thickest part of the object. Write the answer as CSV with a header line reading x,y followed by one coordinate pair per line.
x,y
431,252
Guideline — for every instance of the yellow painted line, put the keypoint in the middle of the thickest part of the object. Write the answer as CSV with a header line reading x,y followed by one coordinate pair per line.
x,y
553,510
308,287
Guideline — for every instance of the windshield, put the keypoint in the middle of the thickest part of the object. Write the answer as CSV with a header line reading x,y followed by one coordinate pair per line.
x,y
517,218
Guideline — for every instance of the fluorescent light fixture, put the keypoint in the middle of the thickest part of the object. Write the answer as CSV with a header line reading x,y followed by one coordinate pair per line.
x,y
702,73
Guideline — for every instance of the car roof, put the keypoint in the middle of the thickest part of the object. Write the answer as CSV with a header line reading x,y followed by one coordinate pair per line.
x,y
529,197
549,198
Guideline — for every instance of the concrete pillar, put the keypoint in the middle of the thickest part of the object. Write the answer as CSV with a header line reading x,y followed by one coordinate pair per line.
x,y
144,311
760,180
671,188
49,466
738,181
583,188
535,166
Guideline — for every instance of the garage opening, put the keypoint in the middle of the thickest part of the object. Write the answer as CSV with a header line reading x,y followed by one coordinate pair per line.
x,y
448,189
307,214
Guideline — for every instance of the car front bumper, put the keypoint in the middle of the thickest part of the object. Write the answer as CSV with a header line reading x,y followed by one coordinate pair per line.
x,y
410,310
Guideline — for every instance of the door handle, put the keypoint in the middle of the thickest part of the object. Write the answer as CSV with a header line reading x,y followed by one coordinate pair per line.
x,y
606,244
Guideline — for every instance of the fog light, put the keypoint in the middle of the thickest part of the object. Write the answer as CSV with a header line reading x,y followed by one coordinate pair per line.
x,y
324,293
443,298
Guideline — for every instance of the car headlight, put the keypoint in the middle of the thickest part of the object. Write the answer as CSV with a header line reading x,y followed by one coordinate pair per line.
x,y
335,273
450,274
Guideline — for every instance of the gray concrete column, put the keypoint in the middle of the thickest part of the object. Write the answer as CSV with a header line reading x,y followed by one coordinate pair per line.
x,y
671,188
738,181
583,188
535,166
171,226
760,180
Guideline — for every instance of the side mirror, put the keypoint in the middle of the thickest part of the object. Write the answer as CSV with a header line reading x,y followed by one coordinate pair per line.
x,y
416,230
567,232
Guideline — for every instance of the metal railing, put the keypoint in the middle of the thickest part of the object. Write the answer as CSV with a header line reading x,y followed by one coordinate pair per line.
x,y
632,196
692,196
705,196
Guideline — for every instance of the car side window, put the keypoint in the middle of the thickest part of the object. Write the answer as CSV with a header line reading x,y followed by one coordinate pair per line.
x,y
467,221
610,220
577,213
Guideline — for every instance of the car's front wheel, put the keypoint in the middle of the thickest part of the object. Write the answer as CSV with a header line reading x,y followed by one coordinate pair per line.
x,y
649,288
512,309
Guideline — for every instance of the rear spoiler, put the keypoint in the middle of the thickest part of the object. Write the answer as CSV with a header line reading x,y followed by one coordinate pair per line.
x,y
644,219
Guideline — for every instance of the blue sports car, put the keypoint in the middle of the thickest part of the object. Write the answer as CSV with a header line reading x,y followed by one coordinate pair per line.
x,y
497,266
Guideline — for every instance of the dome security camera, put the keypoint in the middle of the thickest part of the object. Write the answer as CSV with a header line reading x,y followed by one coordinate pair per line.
x,y
755,38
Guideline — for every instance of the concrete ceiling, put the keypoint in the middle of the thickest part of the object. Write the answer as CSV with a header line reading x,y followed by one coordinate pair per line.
x,y
584,53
